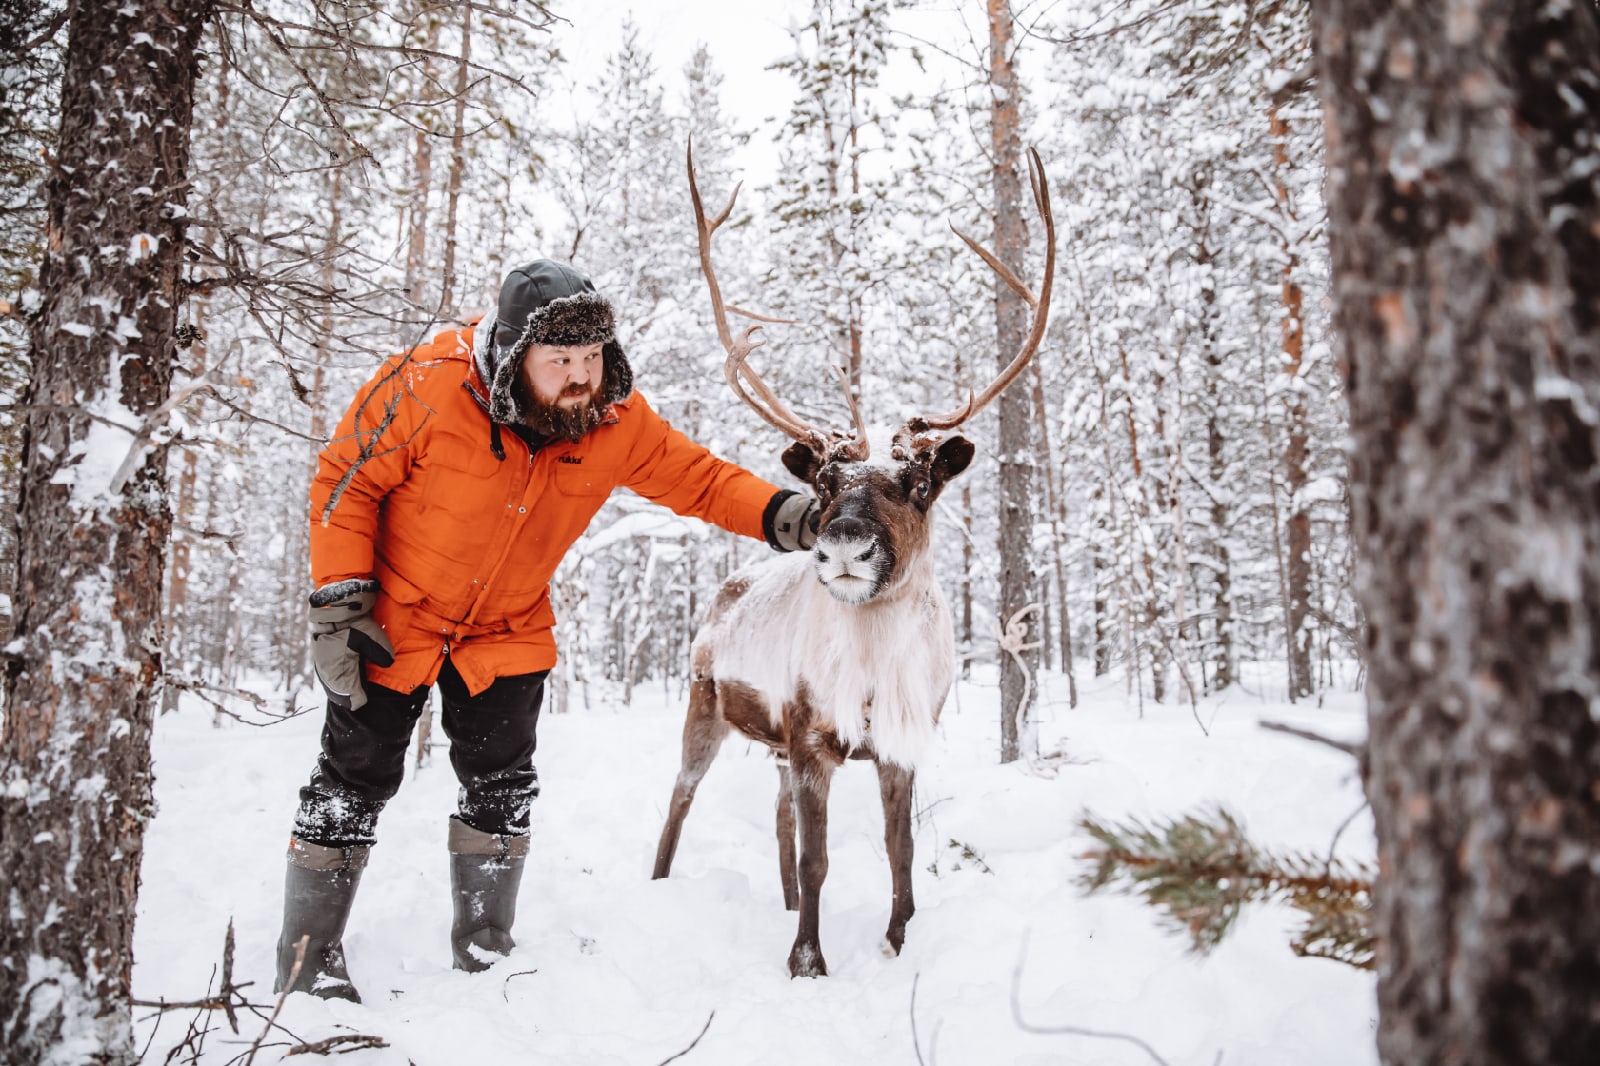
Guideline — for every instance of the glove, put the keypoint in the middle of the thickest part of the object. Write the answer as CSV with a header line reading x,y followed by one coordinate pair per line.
x,y
790,522
342,634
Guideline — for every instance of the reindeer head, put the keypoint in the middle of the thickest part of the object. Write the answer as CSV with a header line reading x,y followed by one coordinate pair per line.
x,y
875,514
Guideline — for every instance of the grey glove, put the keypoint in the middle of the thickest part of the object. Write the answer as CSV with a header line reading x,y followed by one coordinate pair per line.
x,y
342,634
790,521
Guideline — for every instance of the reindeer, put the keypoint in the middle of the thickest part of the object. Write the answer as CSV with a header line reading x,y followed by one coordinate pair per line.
x,y
848,652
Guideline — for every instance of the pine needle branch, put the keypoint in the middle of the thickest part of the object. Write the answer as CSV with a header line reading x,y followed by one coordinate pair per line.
x,y
1201,870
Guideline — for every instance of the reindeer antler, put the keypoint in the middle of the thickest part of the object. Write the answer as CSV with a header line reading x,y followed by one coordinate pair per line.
x,y
737,370
1040,303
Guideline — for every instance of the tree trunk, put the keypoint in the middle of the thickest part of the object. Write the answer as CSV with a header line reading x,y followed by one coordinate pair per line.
x,y
1011,323
177,611
1298,531
1465,231
416,284
1056,507
1219,567
75,748
458,166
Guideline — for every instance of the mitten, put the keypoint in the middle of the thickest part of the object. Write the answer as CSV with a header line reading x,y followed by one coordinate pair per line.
x,y
343,633
790,521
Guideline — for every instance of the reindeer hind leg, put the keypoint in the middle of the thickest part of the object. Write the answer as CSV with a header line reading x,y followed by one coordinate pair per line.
x,y
703,732
786,830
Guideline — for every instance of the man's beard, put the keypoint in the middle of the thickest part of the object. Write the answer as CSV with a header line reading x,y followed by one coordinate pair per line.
x,y
568,423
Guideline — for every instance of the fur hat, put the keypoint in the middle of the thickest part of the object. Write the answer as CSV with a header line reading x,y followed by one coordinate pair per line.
x,y
546,302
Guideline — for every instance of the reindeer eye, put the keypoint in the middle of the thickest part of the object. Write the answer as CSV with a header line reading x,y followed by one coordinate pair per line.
x,y
922,490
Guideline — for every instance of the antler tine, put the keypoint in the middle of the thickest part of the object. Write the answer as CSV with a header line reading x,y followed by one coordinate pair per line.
x,y
1040,303
705,230
765,403
1000,268
858,448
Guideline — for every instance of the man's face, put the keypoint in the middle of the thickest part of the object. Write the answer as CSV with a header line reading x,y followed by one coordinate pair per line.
x,y
563,376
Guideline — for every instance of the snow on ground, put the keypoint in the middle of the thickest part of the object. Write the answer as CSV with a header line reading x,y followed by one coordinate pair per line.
x,y
613,968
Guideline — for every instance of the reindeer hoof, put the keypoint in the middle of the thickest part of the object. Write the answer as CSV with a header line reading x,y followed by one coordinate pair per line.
x,y
806,961
889,948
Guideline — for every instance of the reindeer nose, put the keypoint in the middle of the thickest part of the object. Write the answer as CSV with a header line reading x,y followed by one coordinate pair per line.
x,y
847,528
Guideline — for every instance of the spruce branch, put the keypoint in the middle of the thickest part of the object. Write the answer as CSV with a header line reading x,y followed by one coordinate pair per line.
x,y
1200,871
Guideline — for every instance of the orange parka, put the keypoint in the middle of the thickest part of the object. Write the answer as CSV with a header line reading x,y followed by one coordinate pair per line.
x,y
464,543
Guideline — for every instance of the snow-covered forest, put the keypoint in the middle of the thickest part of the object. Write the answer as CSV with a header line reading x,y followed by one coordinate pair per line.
x,y
1184,474
1311,429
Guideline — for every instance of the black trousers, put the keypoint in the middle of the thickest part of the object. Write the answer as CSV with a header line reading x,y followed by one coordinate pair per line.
x,y
492,740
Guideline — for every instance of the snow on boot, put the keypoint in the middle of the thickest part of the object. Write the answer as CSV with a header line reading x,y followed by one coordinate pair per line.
x,y
320,886
485,872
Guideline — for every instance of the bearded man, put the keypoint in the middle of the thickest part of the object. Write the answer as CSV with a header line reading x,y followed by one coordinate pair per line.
x,y
454,484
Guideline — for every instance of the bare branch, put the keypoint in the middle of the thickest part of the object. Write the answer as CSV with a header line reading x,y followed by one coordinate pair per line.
x,y
1353,750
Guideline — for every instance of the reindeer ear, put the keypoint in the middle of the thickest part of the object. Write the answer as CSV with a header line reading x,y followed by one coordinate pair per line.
x,y
950,459
802,462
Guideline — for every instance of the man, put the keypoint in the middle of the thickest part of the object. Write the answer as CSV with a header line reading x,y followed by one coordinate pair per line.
x,y
455,483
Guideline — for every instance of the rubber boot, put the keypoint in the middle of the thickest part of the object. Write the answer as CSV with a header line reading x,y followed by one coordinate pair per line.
x,y
485,872
320,886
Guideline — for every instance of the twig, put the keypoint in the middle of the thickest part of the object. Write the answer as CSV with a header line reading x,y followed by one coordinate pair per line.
x,y
230,539
692,1043
504,984
200,688
1064,1030
916,1044
145,434
1352,750
1333,844
324,1047
288,986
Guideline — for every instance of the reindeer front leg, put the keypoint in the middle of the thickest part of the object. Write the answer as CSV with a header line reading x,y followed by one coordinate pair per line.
x,y
811,773
894,783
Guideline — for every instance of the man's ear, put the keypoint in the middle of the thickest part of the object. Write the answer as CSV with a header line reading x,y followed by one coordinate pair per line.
x,y
950,459
802,462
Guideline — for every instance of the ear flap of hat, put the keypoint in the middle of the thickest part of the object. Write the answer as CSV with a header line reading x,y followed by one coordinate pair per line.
x,y
618,382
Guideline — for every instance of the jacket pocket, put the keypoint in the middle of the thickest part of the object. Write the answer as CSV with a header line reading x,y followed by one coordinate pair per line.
x,y
582,479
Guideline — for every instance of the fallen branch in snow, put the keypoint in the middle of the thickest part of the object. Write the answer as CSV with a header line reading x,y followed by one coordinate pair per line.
x,y
1064,1030
341,1044
703,1030
229,999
